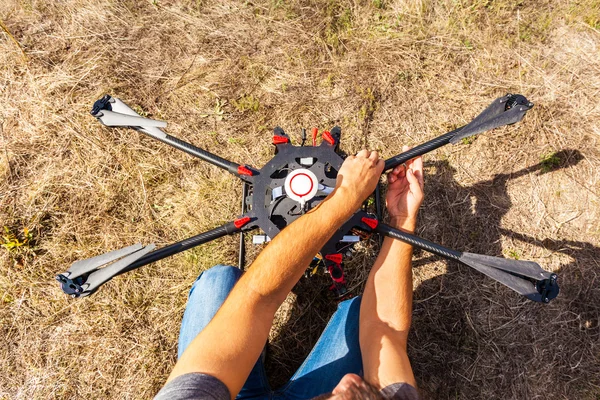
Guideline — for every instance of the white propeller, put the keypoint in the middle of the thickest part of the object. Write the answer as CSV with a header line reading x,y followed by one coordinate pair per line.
x,y
111,118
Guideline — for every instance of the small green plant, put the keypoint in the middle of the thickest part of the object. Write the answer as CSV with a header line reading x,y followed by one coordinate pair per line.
x,y
408,76
12,241
513,254
193,256
7,298
218,111
345,20
247,103
277,4
165,207
525,35
139,110
378,4
549,162
370,104
338,25
329,81
468,140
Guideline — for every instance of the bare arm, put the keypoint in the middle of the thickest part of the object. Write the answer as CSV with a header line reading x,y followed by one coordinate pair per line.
x,y
386,306
232,342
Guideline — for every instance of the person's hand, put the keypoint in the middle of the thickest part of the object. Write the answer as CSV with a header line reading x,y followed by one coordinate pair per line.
x,y
358,177
405,193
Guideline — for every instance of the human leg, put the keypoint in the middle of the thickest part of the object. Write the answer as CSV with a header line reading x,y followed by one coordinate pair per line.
x,y
336,354
206,296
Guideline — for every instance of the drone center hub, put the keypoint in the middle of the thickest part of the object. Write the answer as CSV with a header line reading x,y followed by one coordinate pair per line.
x,y
301,185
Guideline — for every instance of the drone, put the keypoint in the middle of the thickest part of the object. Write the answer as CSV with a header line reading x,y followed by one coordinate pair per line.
x,y
292,183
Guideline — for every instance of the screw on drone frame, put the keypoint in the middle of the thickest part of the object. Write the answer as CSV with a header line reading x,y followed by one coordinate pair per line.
x,y
112,112
505,110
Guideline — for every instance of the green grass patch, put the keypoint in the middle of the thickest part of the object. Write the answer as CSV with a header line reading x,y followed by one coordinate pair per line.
x,y
339,23
514,254
549,162
409,75
12,240
140,110
468,140
380,4
218,110
247,102
370,104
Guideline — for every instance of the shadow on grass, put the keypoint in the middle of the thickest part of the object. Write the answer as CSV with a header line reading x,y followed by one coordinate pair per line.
x,y
470,334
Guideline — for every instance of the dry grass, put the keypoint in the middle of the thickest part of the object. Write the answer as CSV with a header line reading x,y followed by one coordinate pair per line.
x,y
223,74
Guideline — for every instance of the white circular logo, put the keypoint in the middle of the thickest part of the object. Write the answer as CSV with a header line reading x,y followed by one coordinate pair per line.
x,y
301,185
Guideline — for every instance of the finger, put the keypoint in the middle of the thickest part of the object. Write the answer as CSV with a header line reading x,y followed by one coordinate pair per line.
x,y
413,183
419,176
404,149
418,170
374,156
380,165
363,153
399,171
417,164
393,178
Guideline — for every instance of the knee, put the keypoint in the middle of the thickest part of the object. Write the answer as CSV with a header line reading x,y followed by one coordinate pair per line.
x,y
218,278
221,272
350,305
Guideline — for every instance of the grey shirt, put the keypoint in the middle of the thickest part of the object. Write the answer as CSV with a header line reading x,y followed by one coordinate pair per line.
x,y
197,386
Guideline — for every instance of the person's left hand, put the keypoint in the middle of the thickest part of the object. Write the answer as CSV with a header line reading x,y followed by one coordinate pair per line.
x,y
405,193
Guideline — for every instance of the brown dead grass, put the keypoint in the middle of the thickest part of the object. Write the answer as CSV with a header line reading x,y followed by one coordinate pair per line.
x,y
389,72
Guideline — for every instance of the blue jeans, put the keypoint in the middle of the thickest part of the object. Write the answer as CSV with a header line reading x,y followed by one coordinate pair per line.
x,y
336,353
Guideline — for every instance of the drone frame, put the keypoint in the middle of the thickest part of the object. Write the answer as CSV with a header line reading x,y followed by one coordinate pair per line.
x,y
527,278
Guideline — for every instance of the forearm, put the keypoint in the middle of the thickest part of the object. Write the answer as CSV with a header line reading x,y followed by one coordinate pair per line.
x,y
281,264
391,280
252,303
230,344
385,313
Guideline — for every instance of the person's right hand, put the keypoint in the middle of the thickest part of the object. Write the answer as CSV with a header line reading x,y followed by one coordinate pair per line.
x,y
405,193
358,177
